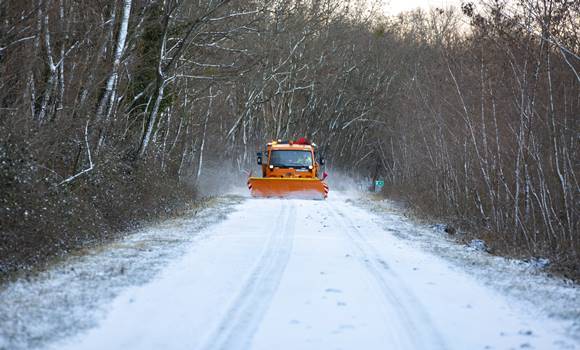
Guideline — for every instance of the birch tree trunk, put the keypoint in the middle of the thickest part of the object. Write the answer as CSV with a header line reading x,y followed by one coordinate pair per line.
x,y
110,89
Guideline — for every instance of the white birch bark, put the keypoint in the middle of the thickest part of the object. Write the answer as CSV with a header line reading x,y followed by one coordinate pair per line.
x,y
62,55
152,120
108,28
119,50
51,66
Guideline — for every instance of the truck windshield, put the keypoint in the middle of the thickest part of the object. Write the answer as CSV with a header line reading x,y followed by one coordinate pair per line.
x,y
291,159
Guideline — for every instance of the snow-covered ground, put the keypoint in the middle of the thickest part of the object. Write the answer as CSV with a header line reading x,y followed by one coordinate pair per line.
x,y
345,273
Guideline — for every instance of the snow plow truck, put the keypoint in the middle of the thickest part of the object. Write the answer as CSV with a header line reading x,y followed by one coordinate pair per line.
x,y
289,170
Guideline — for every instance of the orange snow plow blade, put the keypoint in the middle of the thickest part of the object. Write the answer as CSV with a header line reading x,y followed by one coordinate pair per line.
x,y
307,188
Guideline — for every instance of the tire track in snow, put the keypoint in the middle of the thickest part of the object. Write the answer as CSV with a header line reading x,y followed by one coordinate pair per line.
x,y
241,320
413,328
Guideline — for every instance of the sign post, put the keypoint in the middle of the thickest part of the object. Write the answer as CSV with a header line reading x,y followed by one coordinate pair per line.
x,y
379,184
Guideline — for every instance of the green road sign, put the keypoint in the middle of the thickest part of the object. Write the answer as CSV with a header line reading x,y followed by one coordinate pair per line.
x,y
379,183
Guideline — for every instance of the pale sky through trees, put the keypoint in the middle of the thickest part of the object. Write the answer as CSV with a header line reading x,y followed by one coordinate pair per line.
x,y
393,7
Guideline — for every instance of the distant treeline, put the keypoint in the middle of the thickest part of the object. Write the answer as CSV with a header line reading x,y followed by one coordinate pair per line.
x,y
110,111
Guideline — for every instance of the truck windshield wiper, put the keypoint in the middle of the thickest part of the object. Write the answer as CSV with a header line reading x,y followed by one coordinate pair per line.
x,y
296,166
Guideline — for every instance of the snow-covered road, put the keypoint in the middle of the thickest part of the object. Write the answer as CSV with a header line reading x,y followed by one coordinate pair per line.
x,y
298,274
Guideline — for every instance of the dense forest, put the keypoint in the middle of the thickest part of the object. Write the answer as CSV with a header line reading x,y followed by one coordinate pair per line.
x,y
113,111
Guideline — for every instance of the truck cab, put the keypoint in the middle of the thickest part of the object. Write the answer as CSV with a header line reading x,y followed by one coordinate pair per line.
x,y
289,160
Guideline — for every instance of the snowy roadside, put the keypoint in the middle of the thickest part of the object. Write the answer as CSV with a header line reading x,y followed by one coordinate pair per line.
x,y
527,287
73,295
349,271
